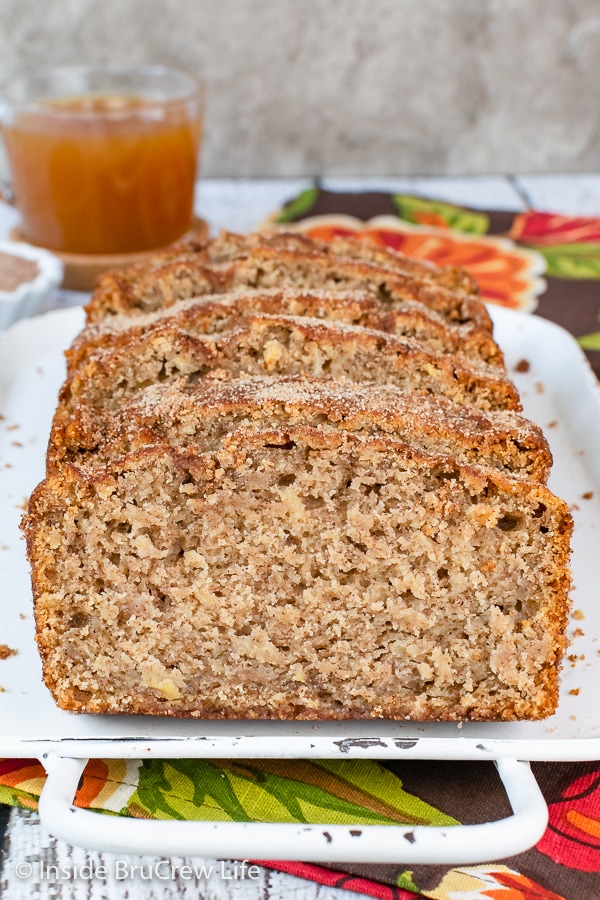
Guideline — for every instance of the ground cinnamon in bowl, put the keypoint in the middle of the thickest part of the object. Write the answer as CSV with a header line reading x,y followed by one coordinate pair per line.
x,y
28,277
15,270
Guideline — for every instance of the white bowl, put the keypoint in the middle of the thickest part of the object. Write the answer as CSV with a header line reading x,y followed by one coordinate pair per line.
x,y
29,297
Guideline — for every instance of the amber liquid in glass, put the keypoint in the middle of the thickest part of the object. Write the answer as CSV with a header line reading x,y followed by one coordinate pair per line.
x,y
117,179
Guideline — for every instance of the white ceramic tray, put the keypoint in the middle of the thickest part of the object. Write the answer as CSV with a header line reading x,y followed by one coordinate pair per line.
x,y
559,391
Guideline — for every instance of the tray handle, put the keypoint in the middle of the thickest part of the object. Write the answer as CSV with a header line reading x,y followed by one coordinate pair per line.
x,y
458,844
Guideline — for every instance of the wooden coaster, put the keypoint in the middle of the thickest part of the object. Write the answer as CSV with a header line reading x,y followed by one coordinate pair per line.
x,y
81,270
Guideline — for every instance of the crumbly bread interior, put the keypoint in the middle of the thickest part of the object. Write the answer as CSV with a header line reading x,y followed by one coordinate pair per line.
x,y
192,268
329,576
228,247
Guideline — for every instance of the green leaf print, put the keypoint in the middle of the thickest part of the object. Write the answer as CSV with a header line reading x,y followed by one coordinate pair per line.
x,y
378,782
590,341
329,791
14,796
435,212
299,206
571,260
404,880
186,789
307,794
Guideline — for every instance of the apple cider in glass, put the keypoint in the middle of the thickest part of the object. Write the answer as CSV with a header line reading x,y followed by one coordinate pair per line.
x,y
106,171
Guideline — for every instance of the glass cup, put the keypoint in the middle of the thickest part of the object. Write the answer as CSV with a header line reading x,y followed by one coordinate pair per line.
x,y
103,159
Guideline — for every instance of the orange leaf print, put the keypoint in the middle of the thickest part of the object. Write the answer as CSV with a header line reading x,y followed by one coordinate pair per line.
x,y
329,232
519,888
94,779
430,218
16,773
583,823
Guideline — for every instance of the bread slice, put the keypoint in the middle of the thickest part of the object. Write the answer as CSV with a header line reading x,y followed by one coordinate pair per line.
x,y
198,415
144,289
285,345
304,572
228,247
212,313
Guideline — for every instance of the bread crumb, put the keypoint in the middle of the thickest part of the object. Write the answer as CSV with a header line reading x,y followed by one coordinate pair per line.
x,y
552,424
577,614
575,692
523,366
588,495
6,651
578,633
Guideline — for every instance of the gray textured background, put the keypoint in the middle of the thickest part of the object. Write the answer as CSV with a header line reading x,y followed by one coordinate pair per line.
x,y
352,86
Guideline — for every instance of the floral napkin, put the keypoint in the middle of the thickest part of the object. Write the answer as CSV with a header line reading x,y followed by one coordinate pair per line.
x,y
565,864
